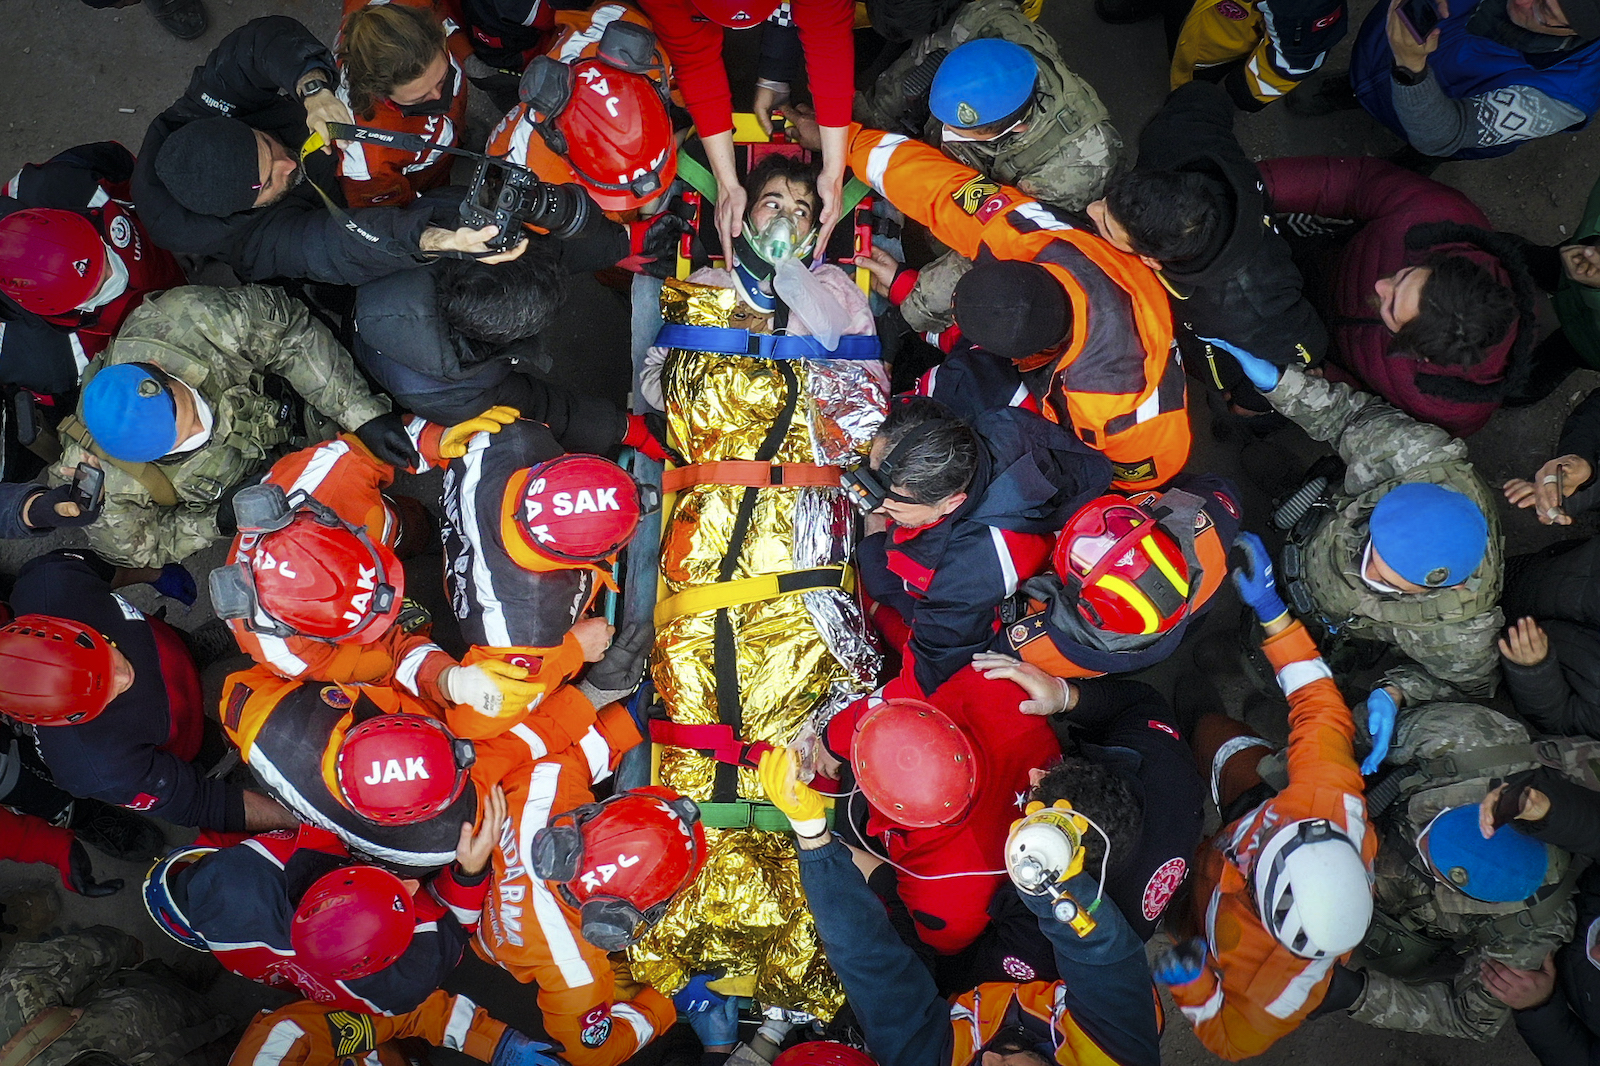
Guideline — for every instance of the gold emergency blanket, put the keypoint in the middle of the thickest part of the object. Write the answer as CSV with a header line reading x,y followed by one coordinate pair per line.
x,y
799,657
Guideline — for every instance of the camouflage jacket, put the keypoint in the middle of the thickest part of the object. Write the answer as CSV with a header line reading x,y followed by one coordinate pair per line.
x,y
225,343
1412,903
1449,633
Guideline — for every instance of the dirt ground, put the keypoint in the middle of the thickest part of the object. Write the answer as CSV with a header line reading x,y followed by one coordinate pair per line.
x,y
70,75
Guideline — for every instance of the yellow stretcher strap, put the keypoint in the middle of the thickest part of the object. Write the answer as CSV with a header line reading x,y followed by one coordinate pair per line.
x,y
752,590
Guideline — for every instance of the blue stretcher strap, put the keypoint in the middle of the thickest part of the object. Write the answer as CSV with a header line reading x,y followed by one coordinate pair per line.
x,y
726,341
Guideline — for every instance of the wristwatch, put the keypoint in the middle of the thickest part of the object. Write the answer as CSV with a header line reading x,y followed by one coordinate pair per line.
x,y
313,88
1407,76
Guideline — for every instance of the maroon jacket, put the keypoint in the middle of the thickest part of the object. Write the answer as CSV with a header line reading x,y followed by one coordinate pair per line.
x,y
1405,217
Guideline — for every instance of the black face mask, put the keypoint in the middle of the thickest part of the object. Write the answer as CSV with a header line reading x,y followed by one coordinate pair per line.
x,y
447,96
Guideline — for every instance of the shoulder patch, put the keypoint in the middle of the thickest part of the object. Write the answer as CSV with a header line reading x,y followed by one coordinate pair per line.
x,y
596,1027
1163,885
337,698
351,1033
1142,470
975,194
233,714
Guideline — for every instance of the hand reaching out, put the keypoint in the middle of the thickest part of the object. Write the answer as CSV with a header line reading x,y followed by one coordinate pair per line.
x,y
1046,694
476,846
1525,643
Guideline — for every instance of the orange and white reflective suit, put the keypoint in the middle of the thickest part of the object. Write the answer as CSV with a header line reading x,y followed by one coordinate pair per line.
x,y
308,1034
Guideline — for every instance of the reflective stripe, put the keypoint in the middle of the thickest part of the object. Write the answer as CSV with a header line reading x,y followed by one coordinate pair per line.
x,y
643,1031
878,160
455,1034
533,12
99,199
598,752
1207,1010
406,673
79,356
536,745
280,1040
245,945
1019,397
1293,996
323,459
1041,216
1355,824
353,162
261,849
415,428
1008,566
598,22
558,937
1297,675
492,613
279,657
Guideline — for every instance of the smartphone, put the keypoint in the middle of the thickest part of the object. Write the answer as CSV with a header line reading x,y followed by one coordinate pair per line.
x,y
1420,17
88,488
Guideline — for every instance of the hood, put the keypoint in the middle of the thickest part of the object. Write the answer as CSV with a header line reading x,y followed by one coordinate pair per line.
x,y
1244,232
1034,473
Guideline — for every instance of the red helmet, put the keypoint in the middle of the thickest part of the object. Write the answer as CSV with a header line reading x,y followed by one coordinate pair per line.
x,y
735,14
50,260
352,922
1130,575
914,764
618,137
621,862
575,508
305,572
396,769
823,1053
53,671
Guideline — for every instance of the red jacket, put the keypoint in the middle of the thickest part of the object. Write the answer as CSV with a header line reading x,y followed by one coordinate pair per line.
x,y
1389,202
24,838
694,43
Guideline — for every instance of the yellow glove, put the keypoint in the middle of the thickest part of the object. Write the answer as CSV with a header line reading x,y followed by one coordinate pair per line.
x,y
801,804
512,682
453,445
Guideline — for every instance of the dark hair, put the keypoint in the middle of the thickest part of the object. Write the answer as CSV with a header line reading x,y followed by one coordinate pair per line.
x,y
944,458
1170,215
1464,313
384,45
792,170
504,302
1102,795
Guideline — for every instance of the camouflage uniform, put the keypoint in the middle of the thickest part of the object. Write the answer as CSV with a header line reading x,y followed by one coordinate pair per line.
x,y
1419,920
225,343
1449,633
131,1015
1065,156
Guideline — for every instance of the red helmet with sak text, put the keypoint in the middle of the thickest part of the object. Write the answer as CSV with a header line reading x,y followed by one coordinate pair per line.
x,y
51,261
824,1053
914,764
352,922
396,769
1130,575
737,14
302,571
622,861
53,671
576,508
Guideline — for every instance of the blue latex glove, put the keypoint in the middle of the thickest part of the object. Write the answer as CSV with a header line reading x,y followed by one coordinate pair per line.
x,y
1254,579
695,997
1381,710
1181,963
177,583
517,1049
1262,374
718,1026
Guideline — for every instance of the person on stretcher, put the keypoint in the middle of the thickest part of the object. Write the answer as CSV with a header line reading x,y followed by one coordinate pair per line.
x,y
780,225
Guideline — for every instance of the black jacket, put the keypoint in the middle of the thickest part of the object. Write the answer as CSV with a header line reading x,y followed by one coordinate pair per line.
x,y
1560,587
1246,290
1566,1030
297,237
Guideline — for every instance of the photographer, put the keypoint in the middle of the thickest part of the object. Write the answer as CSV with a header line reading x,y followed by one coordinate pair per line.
x,y
217,175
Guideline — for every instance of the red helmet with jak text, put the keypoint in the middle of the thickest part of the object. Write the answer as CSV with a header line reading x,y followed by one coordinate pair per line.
x,y
576,508
352,922
914,764
737,14
824,1053
1130,575
618,137
300,570
396,769
51,261
622,861
53,671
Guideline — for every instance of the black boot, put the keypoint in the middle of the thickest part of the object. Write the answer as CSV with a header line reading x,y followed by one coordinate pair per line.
x,y
118,833
184,19
1333,93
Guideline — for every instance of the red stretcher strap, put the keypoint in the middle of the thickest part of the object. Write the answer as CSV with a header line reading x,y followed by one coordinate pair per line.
x,y
718,741
751,474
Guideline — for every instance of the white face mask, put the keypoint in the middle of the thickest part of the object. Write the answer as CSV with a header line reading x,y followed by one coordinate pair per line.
x,y
954,136
202,411
1375,586
114,284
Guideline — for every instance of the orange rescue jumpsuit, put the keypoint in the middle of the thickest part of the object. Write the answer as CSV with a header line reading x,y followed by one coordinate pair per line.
x,y
307,1034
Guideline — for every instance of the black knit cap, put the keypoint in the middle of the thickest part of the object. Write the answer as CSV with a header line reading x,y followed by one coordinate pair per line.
x,y
1011,308
210,166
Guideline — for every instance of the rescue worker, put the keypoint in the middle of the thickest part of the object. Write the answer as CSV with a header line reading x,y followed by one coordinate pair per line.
x,y
1258,50
74,209
505,35
961,513
1408,549
289,909
306,1031
1281,893
206,379
400,66
1195,210
1048,305
218,176
1102,1009
114,1009
1129,574
111,702
989,89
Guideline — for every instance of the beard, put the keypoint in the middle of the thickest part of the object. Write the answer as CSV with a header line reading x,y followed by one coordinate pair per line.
x,y
293,182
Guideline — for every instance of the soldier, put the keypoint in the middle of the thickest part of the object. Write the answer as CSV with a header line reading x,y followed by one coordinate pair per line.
x,y
1507,899
1408,552
206,379
1003,102
122,1012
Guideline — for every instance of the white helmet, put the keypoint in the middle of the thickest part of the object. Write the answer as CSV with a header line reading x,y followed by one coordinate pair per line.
x,y
1312,889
